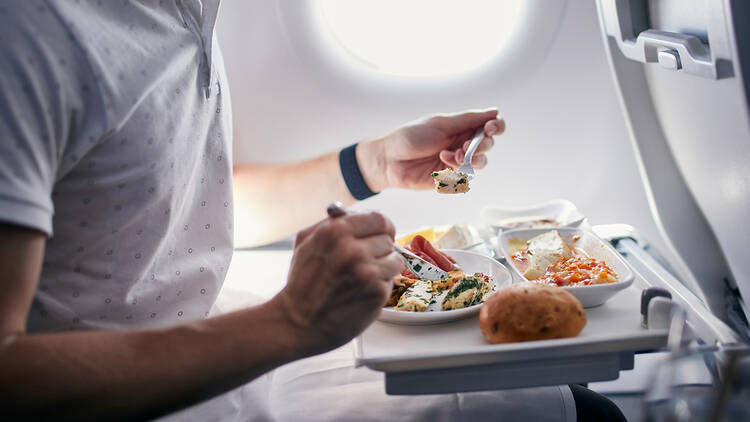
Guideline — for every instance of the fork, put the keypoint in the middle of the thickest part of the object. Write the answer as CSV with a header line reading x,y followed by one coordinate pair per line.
x,y
466,167
415,264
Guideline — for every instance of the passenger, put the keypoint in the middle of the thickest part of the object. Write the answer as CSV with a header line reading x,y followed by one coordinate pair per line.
x,y
116,229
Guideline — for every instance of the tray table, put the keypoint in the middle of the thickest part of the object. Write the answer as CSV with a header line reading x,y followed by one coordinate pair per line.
x,y
454,357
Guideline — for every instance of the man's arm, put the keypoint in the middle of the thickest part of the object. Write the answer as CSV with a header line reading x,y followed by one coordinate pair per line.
x,y
122,375
338,281
267,197
402,159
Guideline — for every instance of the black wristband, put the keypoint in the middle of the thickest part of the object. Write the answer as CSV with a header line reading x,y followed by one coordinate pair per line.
x,y
351,174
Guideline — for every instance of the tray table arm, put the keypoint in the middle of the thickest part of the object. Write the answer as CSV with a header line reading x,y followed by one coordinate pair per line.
x,y
703,323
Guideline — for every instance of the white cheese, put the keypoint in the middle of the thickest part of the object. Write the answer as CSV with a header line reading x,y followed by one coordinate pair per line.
x,y
458,236
543,250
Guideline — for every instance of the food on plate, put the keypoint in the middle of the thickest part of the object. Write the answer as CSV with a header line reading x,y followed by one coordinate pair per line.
x,y
422,248
447,284
540,252
431,234
578,270
528,222
459,290
449,181
455,236
400,284
548,259
526,312
466,292
417,297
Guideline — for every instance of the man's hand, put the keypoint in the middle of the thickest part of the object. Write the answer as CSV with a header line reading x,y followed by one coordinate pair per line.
x,y
340,277
406,157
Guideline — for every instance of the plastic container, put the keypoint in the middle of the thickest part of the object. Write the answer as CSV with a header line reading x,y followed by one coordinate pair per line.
x,y
589,296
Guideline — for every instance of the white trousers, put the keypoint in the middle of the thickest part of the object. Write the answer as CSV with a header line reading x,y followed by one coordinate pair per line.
x,y
327,388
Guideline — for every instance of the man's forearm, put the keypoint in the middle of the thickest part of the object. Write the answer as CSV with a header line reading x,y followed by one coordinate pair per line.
x,y
273,201
140,375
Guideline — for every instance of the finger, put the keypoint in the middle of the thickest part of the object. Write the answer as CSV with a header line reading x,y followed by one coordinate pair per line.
x,y
479,161
370,223
378,291
455,123
379,271
494,127
304,233
448,158
378,246
391,266
458,155
491,128
487,143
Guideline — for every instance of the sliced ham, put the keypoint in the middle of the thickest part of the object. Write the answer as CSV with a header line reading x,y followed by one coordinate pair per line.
x,y
422,248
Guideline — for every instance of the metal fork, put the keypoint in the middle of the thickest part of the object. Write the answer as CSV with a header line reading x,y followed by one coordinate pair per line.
x,y
466,167
415,264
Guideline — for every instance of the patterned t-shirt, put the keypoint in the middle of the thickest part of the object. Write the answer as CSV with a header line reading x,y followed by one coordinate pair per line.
x,y
115,140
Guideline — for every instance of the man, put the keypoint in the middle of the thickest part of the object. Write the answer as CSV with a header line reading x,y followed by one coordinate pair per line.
x,y
116,216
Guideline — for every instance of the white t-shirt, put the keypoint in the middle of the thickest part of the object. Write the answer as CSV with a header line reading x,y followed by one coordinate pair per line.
x,y
115,134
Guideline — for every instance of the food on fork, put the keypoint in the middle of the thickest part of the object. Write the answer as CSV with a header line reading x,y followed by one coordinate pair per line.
x,y
449,181
527,312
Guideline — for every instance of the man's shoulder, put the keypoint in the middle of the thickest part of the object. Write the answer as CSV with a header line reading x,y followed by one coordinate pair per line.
x,y
38,43
31,23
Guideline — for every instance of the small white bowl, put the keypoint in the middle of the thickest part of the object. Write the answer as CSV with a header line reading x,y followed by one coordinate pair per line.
x,y
559,209
589,296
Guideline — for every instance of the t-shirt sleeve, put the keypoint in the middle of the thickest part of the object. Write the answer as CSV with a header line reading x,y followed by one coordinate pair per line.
x,y
44,85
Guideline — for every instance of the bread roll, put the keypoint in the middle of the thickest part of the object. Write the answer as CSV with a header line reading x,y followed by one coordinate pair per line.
x,y
526,311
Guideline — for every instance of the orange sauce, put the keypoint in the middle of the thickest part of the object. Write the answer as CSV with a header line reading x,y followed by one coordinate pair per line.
x,y
578,271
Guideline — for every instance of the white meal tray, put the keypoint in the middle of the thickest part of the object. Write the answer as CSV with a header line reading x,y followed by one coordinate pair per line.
x,y
454,357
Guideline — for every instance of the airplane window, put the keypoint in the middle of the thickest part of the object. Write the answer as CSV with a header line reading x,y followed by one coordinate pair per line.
x,y
421,38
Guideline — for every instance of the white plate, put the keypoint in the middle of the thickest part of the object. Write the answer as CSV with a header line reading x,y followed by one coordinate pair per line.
x,y
470,263
560,209
589,296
